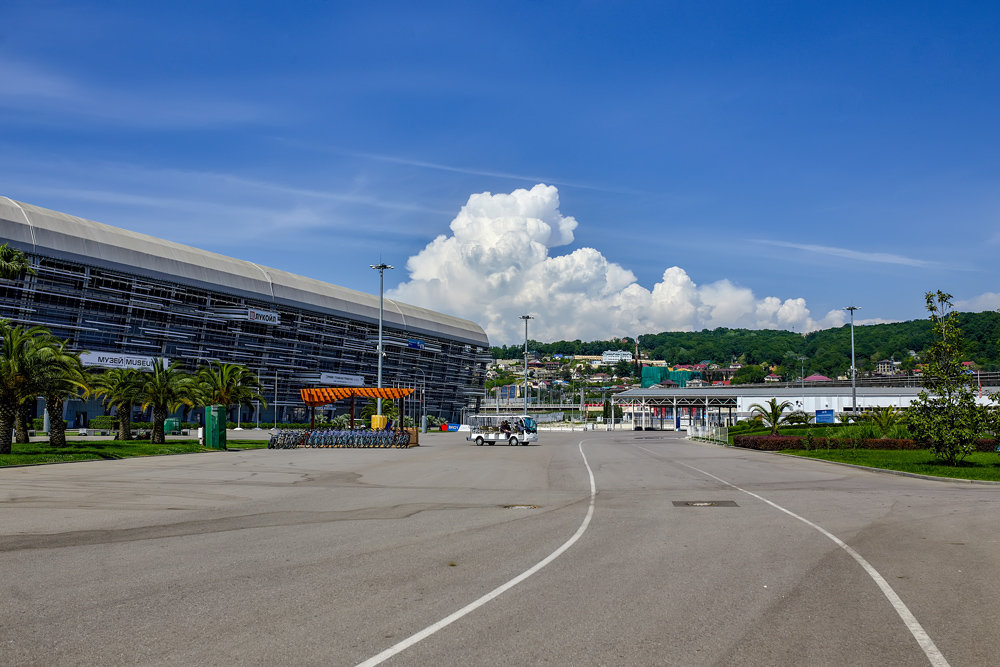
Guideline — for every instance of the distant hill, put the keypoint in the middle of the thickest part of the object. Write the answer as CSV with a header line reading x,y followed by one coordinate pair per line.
x,y
827,351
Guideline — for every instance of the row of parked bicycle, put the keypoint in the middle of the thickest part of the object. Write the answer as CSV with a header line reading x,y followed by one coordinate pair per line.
x,y
292,438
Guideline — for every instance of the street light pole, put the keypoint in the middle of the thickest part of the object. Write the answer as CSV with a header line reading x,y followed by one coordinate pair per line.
x,y
381,267
526,318
854,390
423,399
802,379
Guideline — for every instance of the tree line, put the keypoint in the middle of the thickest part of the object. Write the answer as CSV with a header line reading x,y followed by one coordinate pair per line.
x,y
947,416
827,351
34,363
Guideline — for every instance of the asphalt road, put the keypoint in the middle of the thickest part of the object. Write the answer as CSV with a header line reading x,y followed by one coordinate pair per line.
x,y
672,553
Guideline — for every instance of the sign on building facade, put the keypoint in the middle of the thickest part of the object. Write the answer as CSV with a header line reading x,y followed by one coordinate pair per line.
x,y
263,316
342,380
114,360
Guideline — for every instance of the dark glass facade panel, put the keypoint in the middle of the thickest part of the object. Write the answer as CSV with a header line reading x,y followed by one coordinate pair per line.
x,y
100,310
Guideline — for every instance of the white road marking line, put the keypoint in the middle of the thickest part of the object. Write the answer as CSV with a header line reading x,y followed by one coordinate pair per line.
x,y
471,607
926,643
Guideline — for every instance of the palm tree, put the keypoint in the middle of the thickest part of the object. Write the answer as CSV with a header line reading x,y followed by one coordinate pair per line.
x,y
798,417
22,422
19,365
59,374
229,385
771,414
13,263
165,389
885,417
120,388
389,409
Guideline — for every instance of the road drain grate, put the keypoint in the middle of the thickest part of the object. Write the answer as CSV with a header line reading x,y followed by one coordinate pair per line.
x,y
520,507
705,503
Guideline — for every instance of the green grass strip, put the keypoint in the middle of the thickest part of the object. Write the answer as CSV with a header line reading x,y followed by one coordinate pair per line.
x,y
82,450
984,466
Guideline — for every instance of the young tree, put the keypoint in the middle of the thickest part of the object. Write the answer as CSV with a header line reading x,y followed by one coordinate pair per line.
x,y
120,389
165,389
771,413
946,415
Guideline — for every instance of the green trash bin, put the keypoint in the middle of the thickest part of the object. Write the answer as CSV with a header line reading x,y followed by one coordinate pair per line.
x,y
215,426
172,426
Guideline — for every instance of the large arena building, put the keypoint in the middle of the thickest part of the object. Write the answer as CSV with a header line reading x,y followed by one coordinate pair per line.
x,y
127,298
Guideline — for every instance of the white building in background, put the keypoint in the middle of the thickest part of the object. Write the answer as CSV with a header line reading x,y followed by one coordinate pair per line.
x,y
614,356
677,409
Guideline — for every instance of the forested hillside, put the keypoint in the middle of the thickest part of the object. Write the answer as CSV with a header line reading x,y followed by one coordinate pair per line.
x,y
827,351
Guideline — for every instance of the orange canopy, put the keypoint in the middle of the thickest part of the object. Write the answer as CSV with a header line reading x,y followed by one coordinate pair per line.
x,y
326,395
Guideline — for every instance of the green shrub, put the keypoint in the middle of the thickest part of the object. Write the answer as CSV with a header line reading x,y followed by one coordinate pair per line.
x,y
38,423
773,443
103,422
863,429
808,441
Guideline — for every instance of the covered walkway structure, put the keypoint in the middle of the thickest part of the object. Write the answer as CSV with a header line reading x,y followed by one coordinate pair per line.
x,y
677,409
319,396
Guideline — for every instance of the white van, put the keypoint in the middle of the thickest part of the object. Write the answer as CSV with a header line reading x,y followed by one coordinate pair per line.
x,y
489,429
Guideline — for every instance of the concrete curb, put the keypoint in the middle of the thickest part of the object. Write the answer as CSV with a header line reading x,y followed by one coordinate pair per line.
x,y
899,473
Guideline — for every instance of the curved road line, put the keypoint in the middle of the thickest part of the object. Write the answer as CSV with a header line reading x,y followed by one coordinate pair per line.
x,y
926,643
472,606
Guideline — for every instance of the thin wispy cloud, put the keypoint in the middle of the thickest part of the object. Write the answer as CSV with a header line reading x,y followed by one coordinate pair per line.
x,y
376,129
472,171
329,195
857,255
19,82
203,187
45,96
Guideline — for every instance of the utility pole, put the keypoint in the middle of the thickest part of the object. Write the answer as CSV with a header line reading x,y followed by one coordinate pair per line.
x,y
526,318
854,390
381,268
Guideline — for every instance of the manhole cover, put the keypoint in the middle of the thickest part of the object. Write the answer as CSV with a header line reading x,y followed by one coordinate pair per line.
x,y
705,503
520,507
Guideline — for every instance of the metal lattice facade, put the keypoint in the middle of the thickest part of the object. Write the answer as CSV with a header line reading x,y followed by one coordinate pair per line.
x,y
100,303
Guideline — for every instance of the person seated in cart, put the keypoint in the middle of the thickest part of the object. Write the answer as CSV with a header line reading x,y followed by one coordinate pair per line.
x,y
505,427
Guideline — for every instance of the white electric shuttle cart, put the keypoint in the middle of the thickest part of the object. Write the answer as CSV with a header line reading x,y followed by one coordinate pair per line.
x,y
489,429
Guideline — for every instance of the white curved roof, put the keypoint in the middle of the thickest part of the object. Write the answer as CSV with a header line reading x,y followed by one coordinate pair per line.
x,y
41,231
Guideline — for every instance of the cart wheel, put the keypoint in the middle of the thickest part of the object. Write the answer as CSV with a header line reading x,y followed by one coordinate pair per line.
x,y
513,441
479,441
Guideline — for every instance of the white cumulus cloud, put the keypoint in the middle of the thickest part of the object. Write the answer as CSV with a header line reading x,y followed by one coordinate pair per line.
x,y
982,302
497,264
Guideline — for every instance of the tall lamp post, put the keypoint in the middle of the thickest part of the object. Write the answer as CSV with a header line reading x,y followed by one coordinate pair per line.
x,y
526,318
381,267
423,399
802,379
854,390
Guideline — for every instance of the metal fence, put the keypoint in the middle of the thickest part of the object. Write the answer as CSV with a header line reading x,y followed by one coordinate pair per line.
x,y
711,432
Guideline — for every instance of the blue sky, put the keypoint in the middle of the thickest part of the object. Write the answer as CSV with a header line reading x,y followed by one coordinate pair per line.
x,y
651,166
